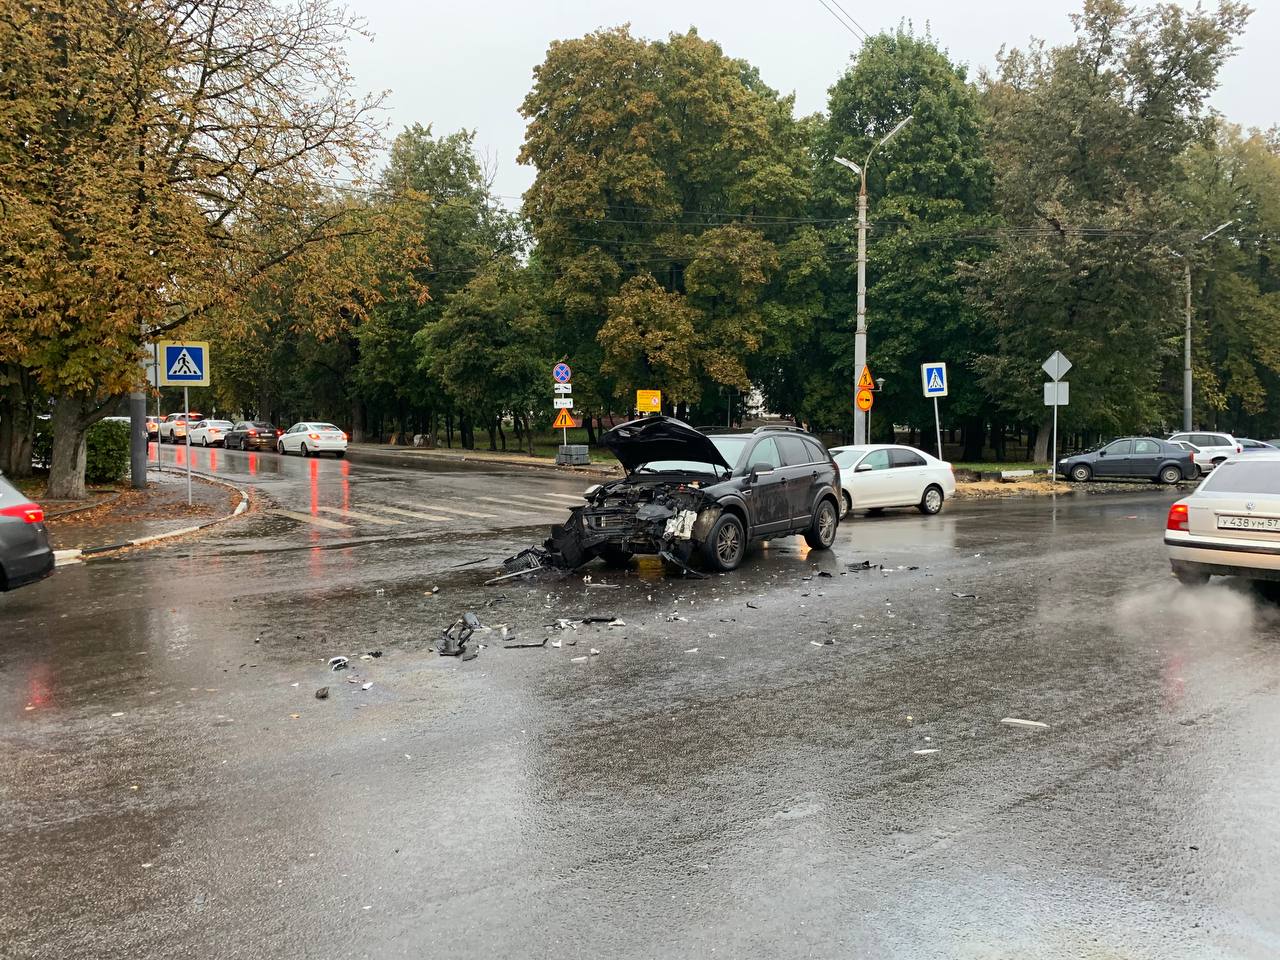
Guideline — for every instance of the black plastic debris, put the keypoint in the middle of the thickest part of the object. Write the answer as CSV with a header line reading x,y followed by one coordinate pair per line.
x,y
517,644
337,663
374,653
453,639
824,574
322,693
866,565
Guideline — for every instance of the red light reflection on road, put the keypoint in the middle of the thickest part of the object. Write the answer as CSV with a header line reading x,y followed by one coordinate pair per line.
x,y
213,461
253,464
315,488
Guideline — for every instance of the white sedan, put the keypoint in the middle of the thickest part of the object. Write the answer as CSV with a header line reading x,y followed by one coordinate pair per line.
x,y
874,476
1231,525
308,438
210,433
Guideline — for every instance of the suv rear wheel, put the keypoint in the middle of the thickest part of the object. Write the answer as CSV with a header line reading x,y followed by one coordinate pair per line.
x,y
822,532
727,544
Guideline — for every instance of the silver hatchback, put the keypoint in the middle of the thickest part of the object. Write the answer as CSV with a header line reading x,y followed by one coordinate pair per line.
x,y
25,554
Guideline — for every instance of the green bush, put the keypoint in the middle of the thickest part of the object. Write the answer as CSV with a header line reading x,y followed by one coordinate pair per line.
x,y
107,452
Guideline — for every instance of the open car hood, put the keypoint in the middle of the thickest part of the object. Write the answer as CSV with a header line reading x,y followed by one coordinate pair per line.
x,y
649,439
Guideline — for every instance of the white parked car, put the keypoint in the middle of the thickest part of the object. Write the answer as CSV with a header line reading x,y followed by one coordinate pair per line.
x,y
173,428
874,476
313,437
1231,525
1203,461
210,433
1217,446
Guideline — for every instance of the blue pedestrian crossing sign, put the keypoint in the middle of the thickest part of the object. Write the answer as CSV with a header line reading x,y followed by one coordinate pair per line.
x,y
183,363
933,377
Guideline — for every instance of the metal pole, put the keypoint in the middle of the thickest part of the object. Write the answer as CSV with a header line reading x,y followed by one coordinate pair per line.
x,y
1053,463
1186,351
860,331
186,409
937,422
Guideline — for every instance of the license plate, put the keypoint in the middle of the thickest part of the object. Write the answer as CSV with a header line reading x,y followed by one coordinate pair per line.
x,y
1249,523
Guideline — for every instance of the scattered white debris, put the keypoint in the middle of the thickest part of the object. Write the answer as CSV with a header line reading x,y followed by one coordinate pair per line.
x,y
366,686
692,650
617,623
923,753
120,714
595,652
578,660
1015,722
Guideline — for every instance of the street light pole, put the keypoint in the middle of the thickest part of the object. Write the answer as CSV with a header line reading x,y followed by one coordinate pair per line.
x,y
860,329
1186,344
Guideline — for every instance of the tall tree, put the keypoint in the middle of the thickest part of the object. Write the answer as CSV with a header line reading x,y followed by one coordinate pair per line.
x,y
667,174
1086,139
152,157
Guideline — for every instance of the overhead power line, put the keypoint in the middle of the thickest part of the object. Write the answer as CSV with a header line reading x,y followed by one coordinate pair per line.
x,y
849,24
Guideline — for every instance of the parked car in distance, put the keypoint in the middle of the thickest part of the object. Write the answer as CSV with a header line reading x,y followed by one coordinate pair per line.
x,y
1255,446
687,495
153,428
25,554
1218,446
1204,462
252,435
1131,458
173,428
209,433
1231,525
311,437
875,476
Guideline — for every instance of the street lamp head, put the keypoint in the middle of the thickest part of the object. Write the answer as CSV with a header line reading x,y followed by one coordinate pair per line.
x,y
879,383
894,132
850,164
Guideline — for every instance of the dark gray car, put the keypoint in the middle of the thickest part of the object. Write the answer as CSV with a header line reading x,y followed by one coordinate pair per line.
x,y
1130,458
25,555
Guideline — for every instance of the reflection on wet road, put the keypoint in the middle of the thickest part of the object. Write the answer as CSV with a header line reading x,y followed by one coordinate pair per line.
x,y
770,763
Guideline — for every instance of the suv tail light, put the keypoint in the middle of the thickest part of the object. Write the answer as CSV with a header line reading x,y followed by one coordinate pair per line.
x,y
29,512
314,436
1239,448
344,434
1179,517
279,433
252,433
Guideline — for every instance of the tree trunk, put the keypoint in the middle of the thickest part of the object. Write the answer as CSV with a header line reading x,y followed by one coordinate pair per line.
x,y
974,439
1043,439
71,418
528,434
17,421
591,432
493,436
357,421
448,429
502,435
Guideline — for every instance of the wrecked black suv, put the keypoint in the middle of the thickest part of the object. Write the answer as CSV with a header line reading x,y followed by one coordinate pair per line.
x,y
689,496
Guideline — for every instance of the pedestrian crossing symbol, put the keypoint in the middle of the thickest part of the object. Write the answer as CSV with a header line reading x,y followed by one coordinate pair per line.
x,y
933,376
184,364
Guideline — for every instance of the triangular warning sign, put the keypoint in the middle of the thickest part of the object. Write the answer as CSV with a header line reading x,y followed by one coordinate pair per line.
x,y
184,366
864,380
563,421
935,380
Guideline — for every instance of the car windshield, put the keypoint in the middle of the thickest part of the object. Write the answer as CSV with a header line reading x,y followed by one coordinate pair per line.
x,y
261,425
1245,476
730,448
322,426
847,458
218,423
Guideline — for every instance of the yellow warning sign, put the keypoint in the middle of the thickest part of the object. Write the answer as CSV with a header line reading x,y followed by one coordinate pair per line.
x,y
864,379
564,421
649,401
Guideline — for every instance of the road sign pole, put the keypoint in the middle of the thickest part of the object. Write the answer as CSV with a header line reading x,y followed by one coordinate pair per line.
x,y
1053,462
186,408
937,423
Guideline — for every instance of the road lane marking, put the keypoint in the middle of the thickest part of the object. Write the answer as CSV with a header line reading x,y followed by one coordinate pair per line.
x,y
367,517
564,496
519,500
409,513
530,507
308,518
464,513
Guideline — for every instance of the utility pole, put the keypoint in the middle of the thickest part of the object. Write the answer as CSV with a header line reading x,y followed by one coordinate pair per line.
x,y
1186,345
860,328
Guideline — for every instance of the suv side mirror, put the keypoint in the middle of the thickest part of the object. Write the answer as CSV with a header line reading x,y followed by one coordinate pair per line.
x,y
759,470
1102,453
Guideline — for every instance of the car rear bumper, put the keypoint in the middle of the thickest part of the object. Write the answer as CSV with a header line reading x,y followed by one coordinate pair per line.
x,y
325,446
28,561
1224,556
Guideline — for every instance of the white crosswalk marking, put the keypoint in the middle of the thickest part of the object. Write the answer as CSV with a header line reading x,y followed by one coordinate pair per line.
x,y
366,517
400,512
308,518
565,497
523,506
462,513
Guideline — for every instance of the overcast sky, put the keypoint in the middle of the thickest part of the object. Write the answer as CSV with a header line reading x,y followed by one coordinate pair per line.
x,y
455,65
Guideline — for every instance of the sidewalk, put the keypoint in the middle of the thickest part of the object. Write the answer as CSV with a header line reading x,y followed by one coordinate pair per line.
x,y
423,458
160,508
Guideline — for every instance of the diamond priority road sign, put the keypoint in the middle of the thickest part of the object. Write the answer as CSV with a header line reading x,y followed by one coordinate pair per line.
x,y
183,363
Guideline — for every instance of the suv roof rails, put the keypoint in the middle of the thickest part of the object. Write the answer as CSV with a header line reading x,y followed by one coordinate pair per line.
x,y
788,427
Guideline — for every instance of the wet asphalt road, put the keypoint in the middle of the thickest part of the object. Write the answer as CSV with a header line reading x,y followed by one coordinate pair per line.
x,y
713,785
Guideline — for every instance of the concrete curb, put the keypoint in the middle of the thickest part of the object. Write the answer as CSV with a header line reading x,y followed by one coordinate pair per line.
x,y
71,556
74,510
